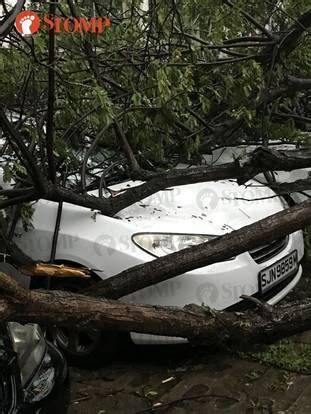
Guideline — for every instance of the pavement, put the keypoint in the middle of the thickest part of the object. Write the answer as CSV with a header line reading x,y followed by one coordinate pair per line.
x,y
184,379
179,383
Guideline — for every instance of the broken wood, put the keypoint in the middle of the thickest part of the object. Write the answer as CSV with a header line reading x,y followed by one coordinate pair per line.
x,y
54,270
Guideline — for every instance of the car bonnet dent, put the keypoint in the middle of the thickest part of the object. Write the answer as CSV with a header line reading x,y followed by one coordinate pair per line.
x,y
207,208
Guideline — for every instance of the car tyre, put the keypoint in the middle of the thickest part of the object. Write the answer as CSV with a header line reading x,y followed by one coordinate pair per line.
x,y
85,347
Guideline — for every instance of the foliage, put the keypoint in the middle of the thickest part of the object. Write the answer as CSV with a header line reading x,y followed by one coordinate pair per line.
x,y
286,354
155,72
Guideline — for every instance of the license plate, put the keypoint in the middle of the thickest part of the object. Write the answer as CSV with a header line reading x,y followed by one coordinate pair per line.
x,y
278,272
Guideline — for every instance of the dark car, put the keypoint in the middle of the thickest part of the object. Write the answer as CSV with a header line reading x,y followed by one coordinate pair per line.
x,y
33,373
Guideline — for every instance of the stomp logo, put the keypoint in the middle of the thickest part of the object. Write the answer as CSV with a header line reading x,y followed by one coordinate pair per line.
x,y
207,199
28,22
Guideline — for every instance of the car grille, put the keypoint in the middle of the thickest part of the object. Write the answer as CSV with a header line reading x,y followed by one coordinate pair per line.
x,y
268,251
244,305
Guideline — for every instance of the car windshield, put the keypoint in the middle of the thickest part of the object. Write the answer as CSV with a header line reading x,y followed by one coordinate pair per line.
x,y
102,164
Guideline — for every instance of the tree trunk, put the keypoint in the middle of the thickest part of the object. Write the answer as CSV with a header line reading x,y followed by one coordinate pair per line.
x,y
199,324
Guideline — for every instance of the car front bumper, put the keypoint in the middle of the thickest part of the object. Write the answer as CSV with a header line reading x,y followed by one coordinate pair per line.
x,y
219,286
48,391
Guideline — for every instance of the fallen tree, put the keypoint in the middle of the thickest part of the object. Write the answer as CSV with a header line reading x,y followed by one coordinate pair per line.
x,y
197,323
222,115
194,322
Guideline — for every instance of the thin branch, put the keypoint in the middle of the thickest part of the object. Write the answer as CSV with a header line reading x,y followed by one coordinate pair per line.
x,y
98,137
246,39
31,196
291,115
215,62
252,20
126,147
22,152
161,405
225,45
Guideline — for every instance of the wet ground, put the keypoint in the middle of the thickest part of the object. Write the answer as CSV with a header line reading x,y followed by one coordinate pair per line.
x,y
182,380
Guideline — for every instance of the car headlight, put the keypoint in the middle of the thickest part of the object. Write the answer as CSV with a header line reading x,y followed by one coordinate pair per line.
x,y
161,244
29,345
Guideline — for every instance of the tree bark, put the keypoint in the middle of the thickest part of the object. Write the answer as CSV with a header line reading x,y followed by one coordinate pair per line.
x,y
199,324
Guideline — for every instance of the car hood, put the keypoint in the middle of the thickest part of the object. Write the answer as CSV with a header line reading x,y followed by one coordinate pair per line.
x,y
203,208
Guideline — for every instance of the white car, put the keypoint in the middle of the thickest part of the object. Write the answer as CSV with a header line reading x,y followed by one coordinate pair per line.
x,y
165,222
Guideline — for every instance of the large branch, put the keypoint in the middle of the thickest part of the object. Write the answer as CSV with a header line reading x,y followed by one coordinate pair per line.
x,y
194,322
260,160
289,41
289,87
297,186
214,251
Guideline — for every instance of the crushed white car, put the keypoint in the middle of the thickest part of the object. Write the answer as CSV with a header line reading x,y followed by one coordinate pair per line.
x,y
165,222
168,221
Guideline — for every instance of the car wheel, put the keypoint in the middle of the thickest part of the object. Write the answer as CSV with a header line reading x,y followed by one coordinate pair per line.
x,y
83,347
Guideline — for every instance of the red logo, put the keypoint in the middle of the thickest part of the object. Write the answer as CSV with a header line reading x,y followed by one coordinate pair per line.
x,y
27,22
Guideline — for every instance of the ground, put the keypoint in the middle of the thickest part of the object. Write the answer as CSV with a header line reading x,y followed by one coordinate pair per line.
x,y
182,380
